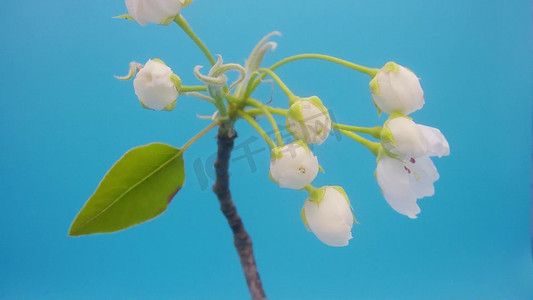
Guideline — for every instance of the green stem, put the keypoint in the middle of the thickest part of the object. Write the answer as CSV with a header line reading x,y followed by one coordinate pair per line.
x,y
180,20
235,100
373,131
198,135
374,147
192,88
270,118
273,110
315,194
278,80
257,128
221,106
369,71
250,86
310,188
200,96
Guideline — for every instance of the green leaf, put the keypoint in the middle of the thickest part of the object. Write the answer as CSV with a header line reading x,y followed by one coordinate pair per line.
x,y
137,188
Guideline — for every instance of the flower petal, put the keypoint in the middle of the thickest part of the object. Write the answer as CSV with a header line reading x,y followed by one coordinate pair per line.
x,y
133,7
437,145
423,175
406,86
384,96
393,179
294,179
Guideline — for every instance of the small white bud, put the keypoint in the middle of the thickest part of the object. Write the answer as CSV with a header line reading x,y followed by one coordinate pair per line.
x,y
405,139
396,89
293,166
157,86
401,136
330,217
154,11
308,120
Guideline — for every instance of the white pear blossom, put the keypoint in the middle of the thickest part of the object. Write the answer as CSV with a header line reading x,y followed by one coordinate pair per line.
x,y
157,86
396,89
404,170
293,165
155,11
330,216
403,137
309,120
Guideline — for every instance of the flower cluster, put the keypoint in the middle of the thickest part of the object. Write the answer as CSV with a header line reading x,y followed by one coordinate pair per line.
x,y
327,212
404,172
140,186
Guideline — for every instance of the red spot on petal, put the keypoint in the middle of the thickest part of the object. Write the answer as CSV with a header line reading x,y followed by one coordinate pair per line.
x,y
172,196
407,169
412,160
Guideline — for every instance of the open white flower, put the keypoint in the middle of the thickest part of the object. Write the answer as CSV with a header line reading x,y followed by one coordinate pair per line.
x,y
396,89
157,86
330,216
293,166
404,181
308,120
404,170
154,11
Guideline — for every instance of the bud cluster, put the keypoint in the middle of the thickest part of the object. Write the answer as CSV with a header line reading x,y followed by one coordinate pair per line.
x,y
404,172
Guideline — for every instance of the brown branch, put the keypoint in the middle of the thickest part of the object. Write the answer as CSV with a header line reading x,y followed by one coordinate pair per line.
x,y
242,241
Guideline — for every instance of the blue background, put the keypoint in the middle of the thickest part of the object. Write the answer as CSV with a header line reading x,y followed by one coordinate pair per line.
x,y
64,120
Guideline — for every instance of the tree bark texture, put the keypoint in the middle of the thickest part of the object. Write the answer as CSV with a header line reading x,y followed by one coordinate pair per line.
x,y
242,241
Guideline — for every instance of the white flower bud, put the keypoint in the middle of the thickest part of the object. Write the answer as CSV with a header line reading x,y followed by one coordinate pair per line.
x,y
293,166
330,217
154,11
157,86
400,136
396,89
308,120
404,138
